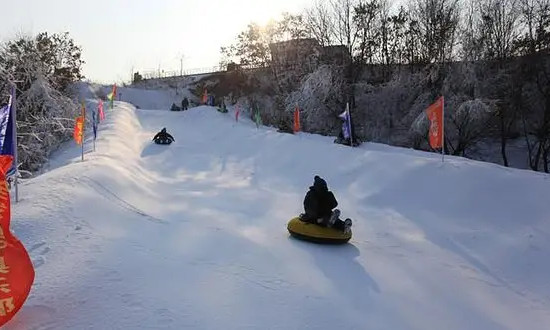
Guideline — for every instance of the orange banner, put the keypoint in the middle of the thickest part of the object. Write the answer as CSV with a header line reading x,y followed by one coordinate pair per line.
x,y
16,268
435,115
296,119
78,126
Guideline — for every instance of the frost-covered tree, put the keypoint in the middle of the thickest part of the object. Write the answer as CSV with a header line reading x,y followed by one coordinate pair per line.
x,y
45,119
320,98
42,69
55,57
467,124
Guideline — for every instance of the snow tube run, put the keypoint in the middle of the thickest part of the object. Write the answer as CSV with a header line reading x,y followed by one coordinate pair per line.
x,y
163,141
315,233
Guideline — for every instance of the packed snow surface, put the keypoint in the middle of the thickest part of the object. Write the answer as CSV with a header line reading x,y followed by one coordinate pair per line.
x,y
193,235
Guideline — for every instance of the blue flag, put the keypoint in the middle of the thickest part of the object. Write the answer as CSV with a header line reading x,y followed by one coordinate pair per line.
x,y
4,121
346,126
8,141
94,124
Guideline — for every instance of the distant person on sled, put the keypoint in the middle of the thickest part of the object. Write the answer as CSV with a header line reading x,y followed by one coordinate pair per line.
x,y
163,137
185,104
318,205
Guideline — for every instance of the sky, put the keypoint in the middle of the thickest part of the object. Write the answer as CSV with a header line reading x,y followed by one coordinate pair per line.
x,y
119,37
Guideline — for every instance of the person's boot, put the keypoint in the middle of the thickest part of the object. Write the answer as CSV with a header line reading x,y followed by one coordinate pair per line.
x,y
347,226
335,215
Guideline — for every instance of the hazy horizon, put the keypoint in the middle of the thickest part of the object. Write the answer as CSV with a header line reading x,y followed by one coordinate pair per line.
x,y
118,37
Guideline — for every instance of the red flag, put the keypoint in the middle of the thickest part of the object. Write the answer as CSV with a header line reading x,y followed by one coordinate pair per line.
x,y
237,113
435,115
100,110
205,96
16,268
296,119
78,126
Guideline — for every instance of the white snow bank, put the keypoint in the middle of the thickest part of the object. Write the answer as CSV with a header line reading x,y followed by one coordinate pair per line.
x,y
193,235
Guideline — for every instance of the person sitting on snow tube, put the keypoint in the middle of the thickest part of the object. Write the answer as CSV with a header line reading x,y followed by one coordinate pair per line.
x,y
318,205
185,103
163,137
175,107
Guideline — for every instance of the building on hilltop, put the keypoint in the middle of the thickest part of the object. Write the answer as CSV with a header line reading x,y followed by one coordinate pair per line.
x,y
293,59
296,54
306,53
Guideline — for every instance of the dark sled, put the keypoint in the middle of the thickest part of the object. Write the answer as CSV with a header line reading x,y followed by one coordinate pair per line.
x,y
284,130
346,142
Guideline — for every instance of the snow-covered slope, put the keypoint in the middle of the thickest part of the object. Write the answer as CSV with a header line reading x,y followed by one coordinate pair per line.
x,y
151,98
193,235
160,98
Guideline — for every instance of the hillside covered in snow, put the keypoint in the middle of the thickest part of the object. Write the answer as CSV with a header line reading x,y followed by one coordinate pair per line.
x,y
193,235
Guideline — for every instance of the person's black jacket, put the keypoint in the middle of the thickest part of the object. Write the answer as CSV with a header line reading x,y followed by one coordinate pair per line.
x,y
162,135
319,201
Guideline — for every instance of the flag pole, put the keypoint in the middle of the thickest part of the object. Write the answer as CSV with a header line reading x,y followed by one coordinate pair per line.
x,y
443,130
94,126
349,126
14,133
83,128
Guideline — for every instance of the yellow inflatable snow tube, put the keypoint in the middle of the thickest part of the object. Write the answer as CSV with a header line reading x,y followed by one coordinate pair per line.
x,y
315,233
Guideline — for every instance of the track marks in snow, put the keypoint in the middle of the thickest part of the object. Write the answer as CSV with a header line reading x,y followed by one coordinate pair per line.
x,y
36,246
246,274
114,198
41,250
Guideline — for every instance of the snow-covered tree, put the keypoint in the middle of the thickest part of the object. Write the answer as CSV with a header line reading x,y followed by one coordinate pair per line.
x,y
42,69
320,99
466,125
45,119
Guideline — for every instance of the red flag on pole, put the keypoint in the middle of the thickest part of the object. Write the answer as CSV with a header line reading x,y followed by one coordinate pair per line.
x,y
78,128
435,115
296,119
100,110
16,268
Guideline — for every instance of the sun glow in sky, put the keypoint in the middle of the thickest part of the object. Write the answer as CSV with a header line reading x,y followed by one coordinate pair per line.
x,y
118,36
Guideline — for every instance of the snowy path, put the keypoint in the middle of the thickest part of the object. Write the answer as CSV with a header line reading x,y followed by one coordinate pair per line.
x,y
193,235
